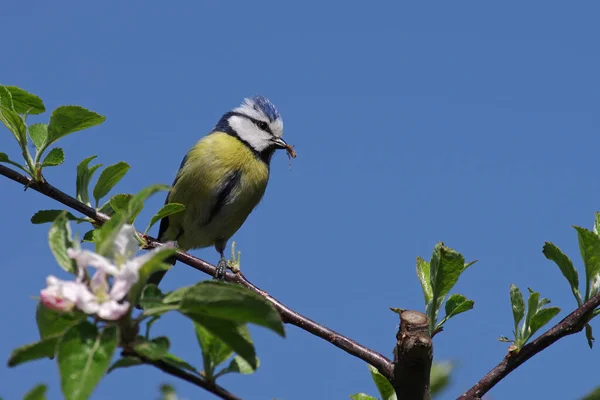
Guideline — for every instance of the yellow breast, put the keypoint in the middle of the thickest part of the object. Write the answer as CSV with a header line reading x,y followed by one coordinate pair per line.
x,y
209,216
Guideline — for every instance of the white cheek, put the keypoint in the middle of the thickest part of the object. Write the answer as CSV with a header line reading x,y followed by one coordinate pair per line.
x,y
248,132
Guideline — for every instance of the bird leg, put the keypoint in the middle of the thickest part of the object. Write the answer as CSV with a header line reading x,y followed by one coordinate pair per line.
x,y
221,268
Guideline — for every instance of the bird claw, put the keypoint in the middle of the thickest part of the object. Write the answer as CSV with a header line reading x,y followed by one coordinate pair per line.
x,y
221,269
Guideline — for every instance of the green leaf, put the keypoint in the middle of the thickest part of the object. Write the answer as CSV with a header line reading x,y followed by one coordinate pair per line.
x,y
151,297
165,211
45,216
25,102
532,307
38,134
109,178
154,349
15,124
125,362
593,395
552,252
168,392
69,119
43,349
362,396
385,388
233,334
37,393
51,323
518,305
55,157
214,350
91,236
136,205
238,365
120,202
456,304
4,157
179,363
589,246
440,377
597,223
542,317
60,239
84,355
589,336
446,266
176,295
425,279
84,176
212,347
6,98
230,302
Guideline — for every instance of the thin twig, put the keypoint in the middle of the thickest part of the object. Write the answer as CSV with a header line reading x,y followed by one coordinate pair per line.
x,y
383,364
572,323
186,376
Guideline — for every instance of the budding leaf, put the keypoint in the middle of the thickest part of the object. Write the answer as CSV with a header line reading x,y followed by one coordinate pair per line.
x,y
518,305
362,396
124,363
60,239
423,270
446,266
552,252
109,178
589,246
136,204
84,176
589,336
154,349
386,390
55,157
120,202
38,134
542,317
38,392
456,304
165,211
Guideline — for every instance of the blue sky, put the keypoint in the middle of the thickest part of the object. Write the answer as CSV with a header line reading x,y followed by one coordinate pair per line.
x,y
473,123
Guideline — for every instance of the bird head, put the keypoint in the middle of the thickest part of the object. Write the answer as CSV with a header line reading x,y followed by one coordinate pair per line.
x,y
258,123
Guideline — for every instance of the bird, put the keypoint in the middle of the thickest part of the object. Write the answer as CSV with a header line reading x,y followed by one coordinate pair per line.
x,y
222,178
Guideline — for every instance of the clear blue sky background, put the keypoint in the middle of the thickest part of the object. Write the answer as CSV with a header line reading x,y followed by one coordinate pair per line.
x,y
472,123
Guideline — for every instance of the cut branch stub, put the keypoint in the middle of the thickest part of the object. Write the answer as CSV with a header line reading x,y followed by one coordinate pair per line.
x,y
412,357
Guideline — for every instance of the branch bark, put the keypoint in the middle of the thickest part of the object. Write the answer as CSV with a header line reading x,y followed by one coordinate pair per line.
x,y
412,357
289,316
572,323
186,376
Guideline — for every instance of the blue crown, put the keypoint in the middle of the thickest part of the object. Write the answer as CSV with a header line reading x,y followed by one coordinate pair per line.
x,y
263,104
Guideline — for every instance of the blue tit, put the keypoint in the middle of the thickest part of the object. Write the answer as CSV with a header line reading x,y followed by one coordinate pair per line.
x,y
222,178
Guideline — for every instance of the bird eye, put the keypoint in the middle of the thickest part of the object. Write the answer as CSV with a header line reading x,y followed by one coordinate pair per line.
x,y
262,125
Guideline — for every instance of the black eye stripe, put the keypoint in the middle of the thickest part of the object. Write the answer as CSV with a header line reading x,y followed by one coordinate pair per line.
x,y
260,124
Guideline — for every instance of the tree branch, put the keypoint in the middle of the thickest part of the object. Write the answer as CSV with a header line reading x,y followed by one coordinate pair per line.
x,y
572,323
383,364
186,376
412,357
